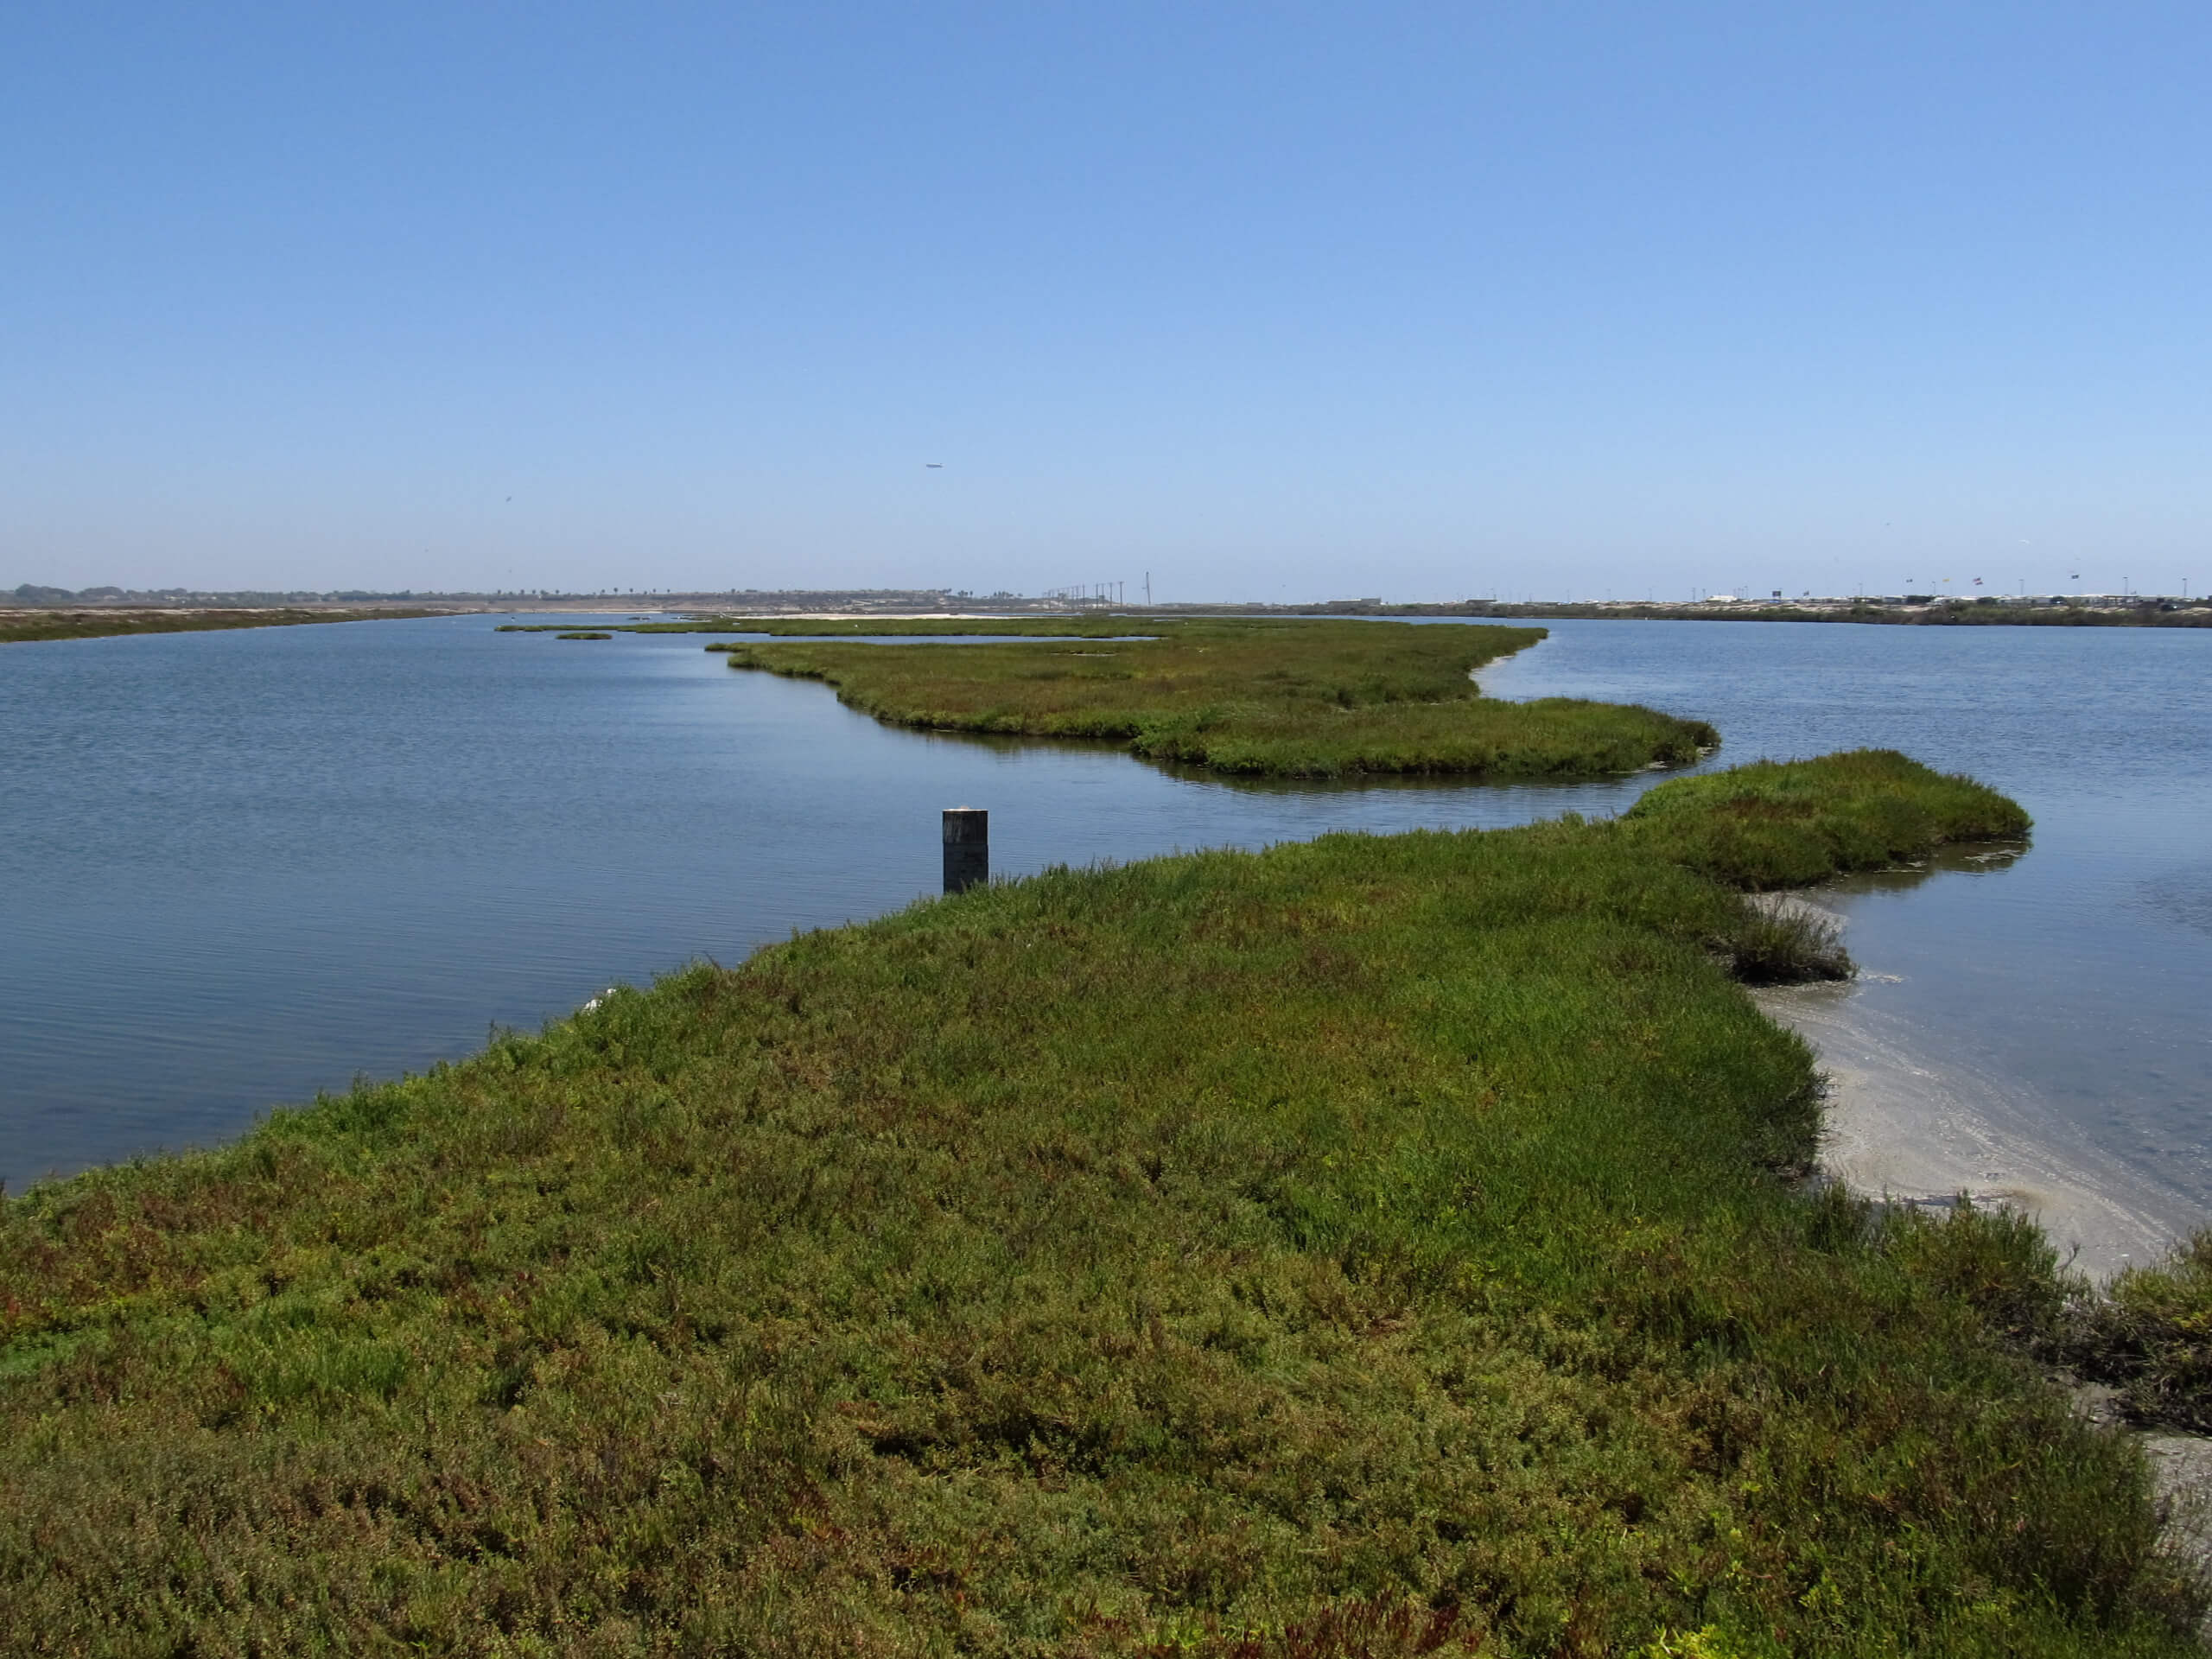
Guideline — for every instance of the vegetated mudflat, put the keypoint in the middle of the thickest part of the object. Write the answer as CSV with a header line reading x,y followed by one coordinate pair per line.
x,y
1305,699
18,627
1367,1246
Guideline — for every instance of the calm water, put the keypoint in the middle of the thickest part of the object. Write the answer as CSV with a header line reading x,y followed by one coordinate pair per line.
x,y
239,867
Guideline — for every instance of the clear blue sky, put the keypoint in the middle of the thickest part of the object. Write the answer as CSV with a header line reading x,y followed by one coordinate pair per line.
x,y
1273,302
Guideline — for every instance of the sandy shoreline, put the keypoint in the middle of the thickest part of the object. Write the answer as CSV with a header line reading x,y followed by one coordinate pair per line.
x,y
1904,1123
1907,1125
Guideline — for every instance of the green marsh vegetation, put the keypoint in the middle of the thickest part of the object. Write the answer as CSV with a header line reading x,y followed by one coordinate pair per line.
x,y
1371,1246
584,633
1262,698
23,626
1774,946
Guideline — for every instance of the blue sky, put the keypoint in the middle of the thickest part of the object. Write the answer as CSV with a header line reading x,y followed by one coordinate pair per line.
x,y
1275,302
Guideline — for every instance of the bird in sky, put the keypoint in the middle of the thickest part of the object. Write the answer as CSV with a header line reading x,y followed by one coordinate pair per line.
x,y
937,465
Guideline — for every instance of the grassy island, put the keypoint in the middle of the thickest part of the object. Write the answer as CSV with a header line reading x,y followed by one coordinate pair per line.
x,y
1375,1246
1308,699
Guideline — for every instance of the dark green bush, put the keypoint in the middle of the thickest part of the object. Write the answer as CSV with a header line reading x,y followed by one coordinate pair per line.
x,y
1773,946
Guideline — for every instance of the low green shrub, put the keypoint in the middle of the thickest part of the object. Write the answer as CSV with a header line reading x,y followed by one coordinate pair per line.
x,y
1770,946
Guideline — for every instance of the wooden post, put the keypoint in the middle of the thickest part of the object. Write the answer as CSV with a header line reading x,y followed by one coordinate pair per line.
x,y
967,847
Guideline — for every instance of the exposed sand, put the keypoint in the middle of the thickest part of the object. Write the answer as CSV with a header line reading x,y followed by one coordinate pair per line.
x,y
1906,1122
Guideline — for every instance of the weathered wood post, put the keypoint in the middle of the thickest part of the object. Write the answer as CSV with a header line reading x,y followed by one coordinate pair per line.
x,y
967,847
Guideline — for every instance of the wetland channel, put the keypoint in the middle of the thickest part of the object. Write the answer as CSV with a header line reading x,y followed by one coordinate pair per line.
x,y
239,868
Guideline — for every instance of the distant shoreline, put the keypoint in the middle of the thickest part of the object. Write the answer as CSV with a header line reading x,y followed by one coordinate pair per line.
x,y
31,627
2089,612
26,605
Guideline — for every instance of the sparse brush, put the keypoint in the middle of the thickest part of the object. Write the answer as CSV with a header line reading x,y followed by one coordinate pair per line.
x,y
2149,1334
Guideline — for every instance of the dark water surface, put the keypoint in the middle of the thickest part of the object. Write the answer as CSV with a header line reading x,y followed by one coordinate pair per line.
x,y
239,867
